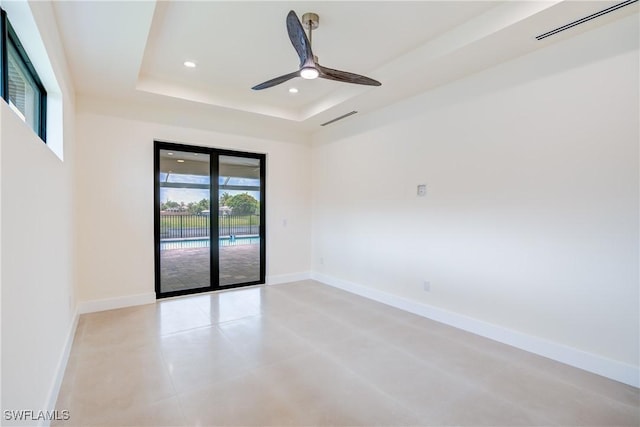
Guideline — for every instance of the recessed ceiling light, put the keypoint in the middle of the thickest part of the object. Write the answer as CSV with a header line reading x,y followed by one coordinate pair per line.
x,y
170,154
195,154
189,64
293,90
180,161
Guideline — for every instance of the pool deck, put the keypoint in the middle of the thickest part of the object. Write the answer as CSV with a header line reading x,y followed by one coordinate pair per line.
x,y
189,268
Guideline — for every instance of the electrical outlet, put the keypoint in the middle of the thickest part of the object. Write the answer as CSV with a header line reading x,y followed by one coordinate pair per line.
x,y
321,260
426,285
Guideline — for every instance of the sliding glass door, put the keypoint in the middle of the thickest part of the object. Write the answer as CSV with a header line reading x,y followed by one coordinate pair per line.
x,y
209,219
239,221
184,220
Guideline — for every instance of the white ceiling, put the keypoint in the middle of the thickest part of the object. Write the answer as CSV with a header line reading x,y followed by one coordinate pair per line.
x,y
134,50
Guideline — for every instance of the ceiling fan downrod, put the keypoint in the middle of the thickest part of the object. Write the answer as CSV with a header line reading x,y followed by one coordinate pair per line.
x,y
310,21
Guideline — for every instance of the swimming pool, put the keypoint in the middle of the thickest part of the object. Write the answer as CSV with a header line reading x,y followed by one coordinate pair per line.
x,y
204,243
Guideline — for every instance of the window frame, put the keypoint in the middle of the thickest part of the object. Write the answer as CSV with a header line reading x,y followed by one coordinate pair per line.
x,y
9,36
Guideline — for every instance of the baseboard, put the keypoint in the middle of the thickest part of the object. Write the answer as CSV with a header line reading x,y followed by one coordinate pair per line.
x,y
113,303
286,278
149,298
61,368
624,373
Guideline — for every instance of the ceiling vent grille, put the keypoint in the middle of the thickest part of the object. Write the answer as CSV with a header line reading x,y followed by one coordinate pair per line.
x,y
585,19
344,116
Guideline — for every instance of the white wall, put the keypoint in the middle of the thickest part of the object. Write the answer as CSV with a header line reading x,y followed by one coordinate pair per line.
x,y
37,226
115,200
531,218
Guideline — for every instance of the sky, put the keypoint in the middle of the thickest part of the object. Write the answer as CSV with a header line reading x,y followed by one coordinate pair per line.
x,y
188,195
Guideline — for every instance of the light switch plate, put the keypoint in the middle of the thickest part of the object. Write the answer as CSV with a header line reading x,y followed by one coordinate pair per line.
x,y
422,190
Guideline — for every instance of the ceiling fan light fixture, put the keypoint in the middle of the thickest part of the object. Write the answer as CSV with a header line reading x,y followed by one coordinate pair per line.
x,y
309,73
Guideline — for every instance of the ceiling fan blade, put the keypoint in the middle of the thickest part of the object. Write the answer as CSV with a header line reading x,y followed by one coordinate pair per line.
x,y
343,76
299,38
276,81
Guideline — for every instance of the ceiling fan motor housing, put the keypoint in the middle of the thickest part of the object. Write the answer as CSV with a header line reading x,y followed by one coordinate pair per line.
x,y
310,20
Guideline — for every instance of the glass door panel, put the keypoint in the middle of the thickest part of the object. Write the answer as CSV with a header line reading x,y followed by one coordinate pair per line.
x,y
239,220
184,221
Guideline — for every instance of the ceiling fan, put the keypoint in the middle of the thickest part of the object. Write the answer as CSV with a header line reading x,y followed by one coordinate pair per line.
x,y
309,67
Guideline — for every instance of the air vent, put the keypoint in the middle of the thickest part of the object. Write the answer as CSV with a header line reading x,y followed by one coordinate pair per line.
x,y
344,116
585,19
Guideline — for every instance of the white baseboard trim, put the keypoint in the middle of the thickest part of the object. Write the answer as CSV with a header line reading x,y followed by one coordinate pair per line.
x,y
286,278
113,303
61,368
618,371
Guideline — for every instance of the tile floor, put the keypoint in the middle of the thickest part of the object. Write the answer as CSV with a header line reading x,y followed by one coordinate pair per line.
x,y
308,354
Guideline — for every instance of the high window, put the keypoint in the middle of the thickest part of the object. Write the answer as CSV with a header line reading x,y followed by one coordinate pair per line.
x,y
20,85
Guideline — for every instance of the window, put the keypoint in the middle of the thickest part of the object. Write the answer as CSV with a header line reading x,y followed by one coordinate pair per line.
x,y
21,87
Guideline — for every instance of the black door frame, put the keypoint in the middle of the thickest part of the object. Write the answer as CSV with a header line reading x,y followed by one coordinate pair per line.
x,y
214,156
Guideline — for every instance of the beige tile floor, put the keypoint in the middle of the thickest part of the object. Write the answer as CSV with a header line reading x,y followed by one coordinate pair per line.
x,y
308,354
